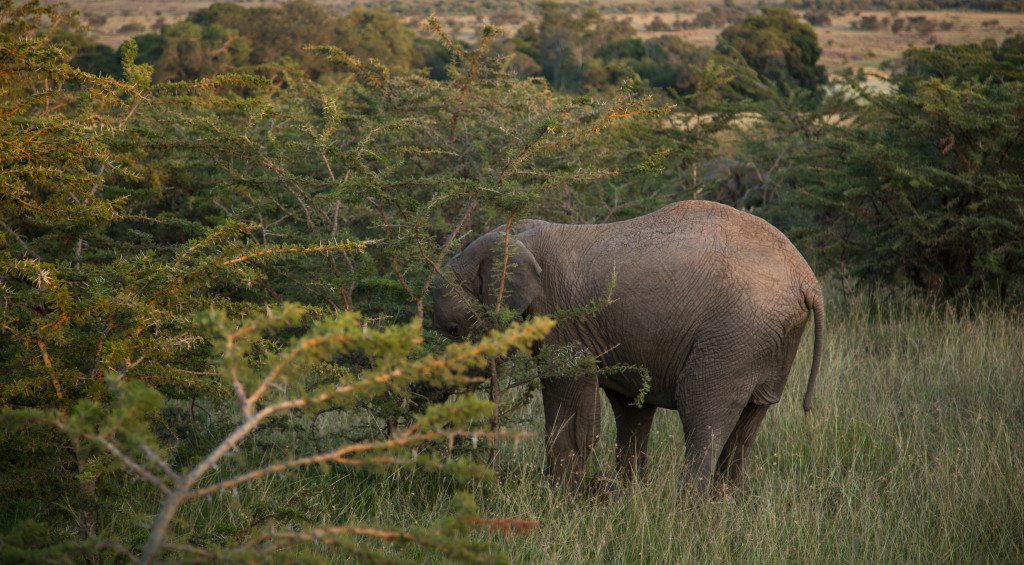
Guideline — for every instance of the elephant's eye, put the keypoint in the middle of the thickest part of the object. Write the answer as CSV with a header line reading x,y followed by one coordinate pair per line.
x,y
453,331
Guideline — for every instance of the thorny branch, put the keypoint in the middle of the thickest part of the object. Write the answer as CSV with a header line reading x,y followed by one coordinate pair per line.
x,y
183,487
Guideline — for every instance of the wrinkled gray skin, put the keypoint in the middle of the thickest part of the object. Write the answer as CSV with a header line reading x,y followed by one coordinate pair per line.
x,y
711,300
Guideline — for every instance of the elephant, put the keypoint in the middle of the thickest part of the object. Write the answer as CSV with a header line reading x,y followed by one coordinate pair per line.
x,y
710,300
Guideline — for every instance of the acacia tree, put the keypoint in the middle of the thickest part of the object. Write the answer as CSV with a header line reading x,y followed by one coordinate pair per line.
x,y
263,391
782,50
130,210
412,164
923,184
107,321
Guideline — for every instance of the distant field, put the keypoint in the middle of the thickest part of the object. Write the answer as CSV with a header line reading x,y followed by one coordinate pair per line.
x,y
113,21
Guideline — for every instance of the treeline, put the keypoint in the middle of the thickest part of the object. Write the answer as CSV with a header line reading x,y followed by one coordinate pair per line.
x,y
852,5
226,37
574,49
506,9
922,185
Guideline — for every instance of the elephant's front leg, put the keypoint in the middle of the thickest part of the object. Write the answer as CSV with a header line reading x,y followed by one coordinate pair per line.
x,y
572,417
633,427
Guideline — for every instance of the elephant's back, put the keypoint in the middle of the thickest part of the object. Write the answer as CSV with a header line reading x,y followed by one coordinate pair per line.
x,y
743,245
701,255
698,231
713,219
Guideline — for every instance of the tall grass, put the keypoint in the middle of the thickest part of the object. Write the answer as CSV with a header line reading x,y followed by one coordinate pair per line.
x,y
914,451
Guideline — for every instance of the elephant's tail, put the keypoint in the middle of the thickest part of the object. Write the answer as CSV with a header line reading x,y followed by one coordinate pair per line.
x,y
817,304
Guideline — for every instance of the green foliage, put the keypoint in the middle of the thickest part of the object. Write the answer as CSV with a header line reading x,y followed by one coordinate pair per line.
x,y
269,382
226,37
183,262
924,185
580,51
780,48
564,44
987,61
131,209
190,51
664,62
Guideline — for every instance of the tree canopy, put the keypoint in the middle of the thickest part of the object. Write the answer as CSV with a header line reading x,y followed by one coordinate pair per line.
x,y
779,47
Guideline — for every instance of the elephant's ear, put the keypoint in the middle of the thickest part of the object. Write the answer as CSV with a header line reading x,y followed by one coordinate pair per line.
x,y
478,267
470,264
523,285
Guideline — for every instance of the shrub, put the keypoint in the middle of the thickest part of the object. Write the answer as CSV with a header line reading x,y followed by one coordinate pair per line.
x,y
867,23
924,185
658,24
818,18
779,47
131,28
131,211
120,425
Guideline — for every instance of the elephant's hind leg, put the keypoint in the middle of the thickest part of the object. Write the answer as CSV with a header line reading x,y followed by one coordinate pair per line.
x,y
733,462
633,427
709,405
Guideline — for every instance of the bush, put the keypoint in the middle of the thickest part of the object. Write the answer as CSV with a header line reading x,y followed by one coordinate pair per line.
x,y
131,28
719,16
867,23
144,225
564,43
658,24
818,18
779,47
924,185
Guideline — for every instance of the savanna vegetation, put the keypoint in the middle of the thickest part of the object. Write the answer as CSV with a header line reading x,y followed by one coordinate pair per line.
x,y
842,5
216,244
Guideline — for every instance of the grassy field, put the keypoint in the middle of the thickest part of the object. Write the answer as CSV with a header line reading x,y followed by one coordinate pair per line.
x,y
913,453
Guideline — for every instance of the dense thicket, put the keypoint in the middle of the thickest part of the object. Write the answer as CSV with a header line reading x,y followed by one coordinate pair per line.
x,y
146,226
226,36
921,185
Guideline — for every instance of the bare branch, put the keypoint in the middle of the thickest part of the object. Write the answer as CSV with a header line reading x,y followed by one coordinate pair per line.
x,y
341,456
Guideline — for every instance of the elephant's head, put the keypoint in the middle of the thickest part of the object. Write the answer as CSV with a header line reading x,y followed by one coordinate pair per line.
x,y
473,279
